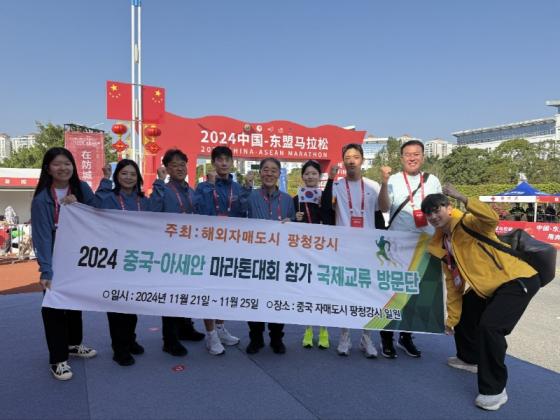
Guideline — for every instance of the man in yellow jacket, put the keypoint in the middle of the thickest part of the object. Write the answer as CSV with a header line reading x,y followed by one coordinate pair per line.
x,y
487,290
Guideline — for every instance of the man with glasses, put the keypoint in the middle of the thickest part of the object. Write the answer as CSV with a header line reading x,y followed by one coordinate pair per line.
x,y
410,186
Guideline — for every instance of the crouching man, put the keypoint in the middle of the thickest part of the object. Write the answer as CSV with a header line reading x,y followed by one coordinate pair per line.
x,y
487,290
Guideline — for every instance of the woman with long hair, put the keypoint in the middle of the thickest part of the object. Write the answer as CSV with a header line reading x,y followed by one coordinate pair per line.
x,y
58,185
126,195
308,210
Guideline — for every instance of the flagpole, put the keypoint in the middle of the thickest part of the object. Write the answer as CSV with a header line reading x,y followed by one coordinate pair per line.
x,y
140,107
133,77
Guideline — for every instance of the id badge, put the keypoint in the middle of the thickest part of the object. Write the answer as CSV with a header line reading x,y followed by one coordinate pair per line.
x,y
357,221
419,218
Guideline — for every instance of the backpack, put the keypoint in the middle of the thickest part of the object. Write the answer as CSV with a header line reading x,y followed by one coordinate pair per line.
x,y
539,255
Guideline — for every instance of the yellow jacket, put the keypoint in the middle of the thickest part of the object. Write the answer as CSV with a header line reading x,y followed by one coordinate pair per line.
x,y
482,266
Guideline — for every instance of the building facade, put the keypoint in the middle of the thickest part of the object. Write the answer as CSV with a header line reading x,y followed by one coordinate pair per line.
x,y
20,142
5,146
438,148
534,131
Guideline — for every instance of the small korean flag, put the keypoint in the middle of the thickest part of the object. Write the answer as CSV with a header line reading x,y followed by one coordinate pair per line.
x,y
309,195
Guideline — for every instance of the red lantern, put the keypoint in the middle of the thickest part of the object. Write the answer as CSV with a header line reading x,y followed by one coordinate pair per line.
x,y
119,129
152,131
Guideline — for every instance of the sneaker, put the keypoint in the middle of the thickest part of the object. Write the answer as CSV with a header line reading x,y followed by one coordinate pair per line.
x,y
491,402
405,343
254,346
324,338
136,348
123,359
387,349
175,349
213,343
308,338
367,346
225,337
81,351
61,371
457,363
344,343
278,346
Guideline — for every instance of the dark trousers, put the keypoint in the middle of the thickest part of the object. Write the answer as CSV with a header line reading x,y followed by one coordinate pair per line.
x,y
122,328
256,330
484,324
63,328
174,327
388,335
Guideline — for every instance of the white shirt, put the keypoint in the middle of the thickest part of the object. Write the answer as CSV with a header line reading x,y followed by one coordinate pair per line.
x,y
60,193
398,192
342,208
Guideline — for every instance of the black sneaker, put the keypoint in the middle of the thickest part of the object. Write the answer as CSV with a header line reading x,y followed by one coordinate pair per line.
x,y
254,347
188,333
175,349
123,359
278,346
405,343
387,349
136,348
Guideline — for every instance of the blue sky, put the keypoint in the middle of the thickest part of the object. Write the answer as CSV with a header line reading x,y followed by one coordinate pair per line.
x,y
426,68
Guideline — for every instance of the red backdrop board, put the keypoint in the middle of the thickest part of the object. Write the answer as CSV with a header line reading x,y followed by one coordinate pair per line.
x,y
88,152
284,140
546,232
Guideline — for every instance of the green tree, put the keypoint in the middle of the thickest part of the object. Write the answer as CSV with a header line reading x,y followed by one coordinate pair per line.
x,y
49,135
465,166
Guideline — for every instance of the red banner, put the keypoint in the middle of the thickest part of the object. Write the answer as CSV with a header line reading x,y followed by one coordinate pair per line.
x,y
153,104
546,232
89,154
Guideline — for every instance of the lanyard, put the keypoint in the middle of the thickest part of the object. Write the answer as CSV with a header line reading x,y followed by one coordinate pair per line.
x,y
452,264
350,195
279,209
217,202
121,201
410,190
56,203
183,209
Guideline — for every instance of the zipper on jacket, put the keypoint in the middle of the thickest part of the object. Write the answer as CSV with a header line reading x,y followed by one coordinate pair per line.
x,y
490,255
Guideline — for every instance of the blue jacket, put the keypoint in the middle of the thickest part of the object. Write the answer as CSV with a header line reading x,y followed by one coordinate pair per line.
x,y
107,199
43,228
224,189
164,198
265,206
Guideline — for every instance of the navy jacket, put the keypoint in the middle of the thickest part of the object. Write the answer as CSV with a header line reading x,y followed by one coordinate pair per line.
x,y
107,199
275,206
225,191
164,198
43,228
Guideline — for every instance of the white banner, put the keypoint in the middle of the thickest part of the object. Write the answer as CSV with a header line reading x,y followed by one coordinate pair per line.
x,y
244,269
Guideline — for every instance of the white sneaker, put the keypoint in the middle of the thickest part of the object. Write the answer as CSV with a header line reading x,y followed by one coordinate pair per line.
x,y
81,351
344,343
225,336
61,371
367,346
213,343
457,363
491,402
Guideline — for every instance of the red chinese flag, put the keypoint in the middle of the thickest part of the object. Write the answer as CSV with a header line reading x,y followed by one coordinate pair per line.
x,y
119,101
153,104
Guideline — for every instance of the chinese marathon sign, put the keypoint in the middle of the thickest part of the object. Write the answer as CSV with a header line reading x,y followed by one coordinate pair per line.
x,y
546,232
244,269
87,149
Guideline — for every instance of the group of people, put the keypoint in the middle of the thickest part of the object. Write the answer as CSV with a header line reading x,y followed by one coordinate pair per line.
x,y
544,214
484,294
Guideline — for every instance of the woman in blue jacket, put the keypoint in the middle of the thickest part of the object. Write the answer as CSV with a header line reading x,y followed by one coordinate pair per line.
x,y
126,195
58,185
